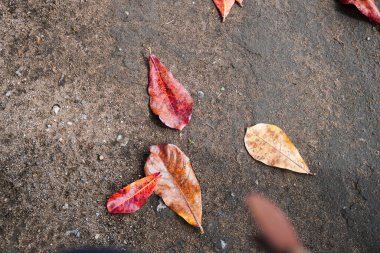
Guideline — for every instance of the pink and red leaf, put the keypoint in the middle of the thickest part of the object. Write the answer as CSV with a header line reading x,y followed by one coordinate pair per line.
x,y
168,98
367,7
133,196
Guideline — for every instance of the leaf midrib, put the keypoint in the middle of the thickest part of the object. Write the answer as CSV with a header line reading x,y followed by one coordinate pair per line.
x,y
281,153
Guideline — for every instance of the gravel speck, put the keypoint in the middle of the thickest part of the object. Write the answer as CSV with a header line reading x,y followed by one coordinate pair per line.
x,y
55,109
119,137
123,141
201,95
19,72
97,236
61,80
223,244
8,93
65,206
101,158
74,232
160,206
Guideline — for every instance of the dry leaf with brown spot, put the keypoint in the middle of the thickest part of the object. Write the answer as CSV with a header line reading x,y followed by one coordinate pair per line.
x,y
270,145
178,186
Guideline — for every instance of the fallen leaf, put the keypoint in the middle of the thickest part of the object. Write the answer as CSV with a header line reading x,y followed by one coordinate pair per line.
x,y
270,145
178,186
274,224
168,98
132,197
367,7
240,2
224,6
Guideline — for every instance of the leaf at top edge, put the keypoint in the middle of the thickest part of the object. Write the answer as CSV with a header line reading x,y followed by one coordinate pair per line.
x,y
168,98
270,145
133,196
224,6
274,224
367,7
178,186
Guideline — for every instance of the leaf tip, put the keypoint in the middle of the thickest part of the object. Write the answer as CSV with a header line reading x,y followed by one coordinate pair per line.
x,y
201,229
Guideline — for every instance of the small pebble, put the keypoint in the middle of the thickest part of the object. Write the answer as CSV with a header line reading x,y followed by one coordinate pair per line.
x,y
223,244
368,38
97,236
70,123
123,141
8,94
201,94
65,206
55,109
48,126
126,13
222,89
160,206
74,232
61,80
257,182
19,72
119,138
101,158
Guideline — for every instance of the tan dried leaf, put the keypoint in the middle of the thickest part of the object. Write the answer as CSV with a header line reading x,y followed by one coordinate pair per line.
x,y
270,145
178,186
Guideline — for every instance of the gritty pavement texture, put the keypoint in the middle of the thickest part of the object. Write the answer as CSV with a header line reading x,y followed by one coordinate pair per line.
x,y
76,126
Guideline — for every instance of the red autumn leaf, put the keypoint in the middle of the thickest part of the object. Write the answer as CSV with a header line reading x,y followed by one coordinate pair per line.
x,y
274,224
178,187
367,7
224,6
132,197
168,98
